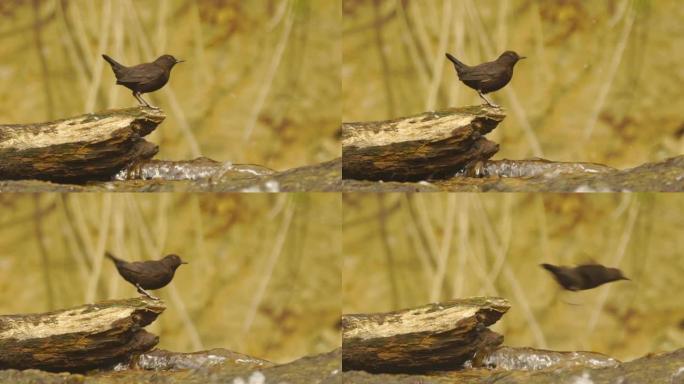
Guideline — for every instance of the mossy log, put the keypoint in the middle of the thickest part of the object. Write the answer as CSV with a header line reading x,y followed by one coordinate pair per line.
x,y
93,146
429,145
80,338
435,336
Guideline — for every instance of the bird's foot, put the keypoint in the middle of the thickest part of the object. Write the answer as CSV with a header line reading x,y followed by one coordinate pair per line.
x,y
487,101
144,292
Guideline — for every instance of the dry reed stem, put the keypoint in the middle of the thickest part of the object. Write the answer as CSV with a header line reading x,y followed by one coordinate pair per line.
x,y
502,25
105,20
154,246
387,248
71,240
428,229
501,250
445,248
97,256
459,44
176,110
423,78
615,261
418,245
267,274
463,245
516,106
267,79
607,81
38,218
70,42
439,58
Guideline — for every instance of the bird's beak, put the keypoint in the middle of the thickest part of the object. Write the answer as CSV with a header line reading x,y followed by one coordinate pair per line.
x,y
522,57
184,262
179,61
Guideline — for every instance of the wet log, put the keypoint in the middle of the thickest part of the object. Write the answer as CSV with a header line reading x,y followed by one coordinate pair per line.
x,y
93,146
430,145
432,337
76,339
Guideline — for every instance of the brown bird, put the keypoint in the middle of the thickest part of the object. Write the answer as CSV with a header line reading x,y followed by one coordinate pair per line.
x,y
143,78
583,277
152,274
487,77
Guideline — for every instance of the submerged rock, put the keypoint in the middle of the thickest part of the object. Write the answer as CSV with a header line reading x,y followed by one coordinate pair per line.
x,y
531,359
325,368
200,175
666,368
545,176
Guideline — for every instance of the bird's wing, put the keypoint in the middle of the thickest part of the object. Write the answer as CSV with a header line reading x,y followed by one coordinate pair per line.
x,y
133,76
140,270
481,72
592,274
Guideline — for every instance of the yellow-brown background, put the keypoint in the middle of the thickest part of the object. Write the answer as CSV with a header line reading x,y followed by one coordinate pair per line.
x,y
263,278
408,250
603,80
261,83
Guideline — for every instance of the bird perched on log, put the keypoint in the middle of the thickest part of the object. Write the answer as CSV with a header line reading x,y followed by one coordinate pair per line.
x,y
152,274
143,78
583,277
487,77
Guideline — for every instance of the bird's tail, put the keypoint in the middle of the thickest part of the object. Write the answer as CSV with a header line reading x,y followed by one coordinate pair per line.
x,y
457,64
115,65
549,267
111,257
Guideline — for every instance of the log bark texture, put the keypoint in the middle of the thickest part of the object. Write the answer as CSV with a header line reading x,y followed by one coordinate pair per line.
x,y
94,146
80,338
429,145
431,337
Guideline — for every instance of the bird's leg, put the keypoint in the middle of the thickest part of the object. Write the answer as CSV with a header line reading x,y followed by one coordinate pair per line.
x,y
142,101
487,101
144,292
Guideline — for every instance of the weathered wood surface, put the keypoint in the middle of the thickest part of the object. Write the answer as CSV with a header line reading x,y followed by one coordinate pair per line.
x,y
78,338
93,146
435,336
429,145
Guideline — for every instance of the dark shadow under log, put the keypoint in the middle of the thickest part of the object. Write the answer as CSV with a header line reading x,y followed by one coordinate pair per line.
x,y
420,147
80,338
431,337
89,147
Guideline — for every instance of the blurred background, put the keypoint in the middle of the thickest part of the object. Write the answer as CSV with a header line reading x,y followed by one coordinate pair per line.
x,y
602,79
263,276
261,81
408,250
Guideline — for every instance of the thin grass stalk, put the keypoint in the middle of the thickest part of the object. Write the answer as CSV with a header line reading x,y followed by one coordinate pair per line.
x,y
439,58
267,79
516,106
98,252
267,274
615,261
445,248
409,42
463,239
105,20
606,82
